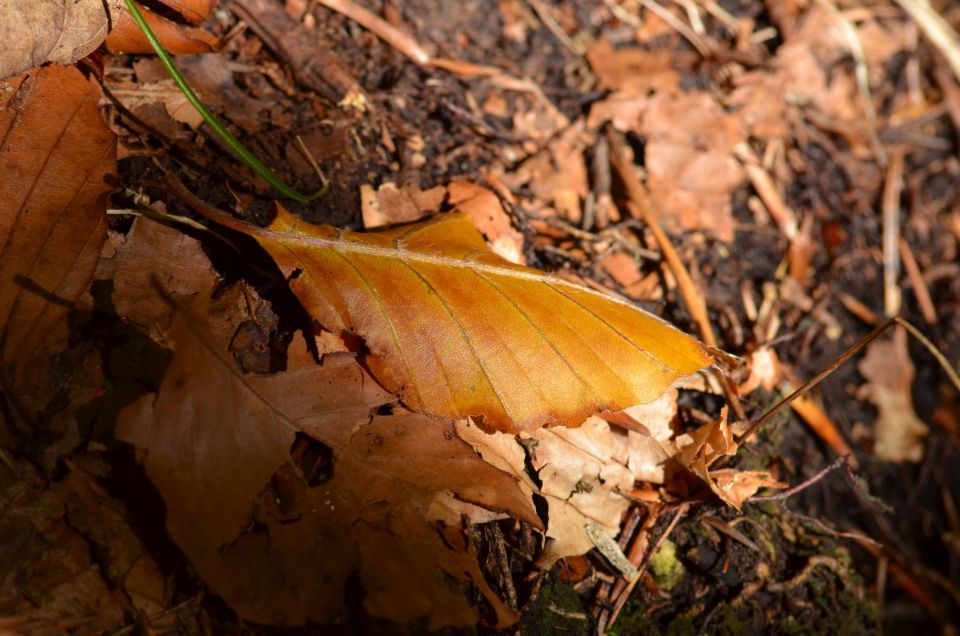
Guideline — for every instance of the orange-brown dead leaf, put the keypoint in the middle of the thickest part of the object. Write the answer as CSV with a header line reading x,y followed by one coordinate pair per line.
x,y
127,37
457,331
217,445
56,154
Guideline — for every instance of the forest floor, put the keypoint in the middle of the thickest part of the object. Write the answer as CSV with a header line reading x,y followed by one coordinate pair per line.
x,y
803,160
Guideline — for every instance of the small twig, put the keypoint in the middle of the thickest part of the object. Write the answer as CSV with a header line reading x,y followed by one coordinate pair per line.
x,y
621,599
840,461
762,182
495,537
543,12
681,28
891,234
937,30
939,357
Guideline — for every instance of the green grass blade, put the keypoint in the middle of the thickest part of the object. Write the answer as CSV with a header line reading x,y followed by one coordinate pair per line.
x,y
255,164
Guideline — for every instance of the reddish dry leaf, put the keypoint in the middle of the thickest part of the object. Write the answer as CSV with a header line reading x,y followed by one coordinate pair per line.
x,y
558,174
690,162
458,332
37,32
217,445
56,155
484,208
192,10
700,449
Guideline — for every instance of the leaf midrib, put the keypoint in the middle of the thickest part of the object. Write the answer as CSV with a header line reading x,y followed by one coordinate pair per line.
x,y
399,253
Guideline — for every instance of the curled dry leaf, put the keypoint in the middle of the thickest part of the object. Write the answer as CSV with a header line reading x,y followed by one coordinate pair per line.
x,y
898,432
56,155
217,445
457,331
704,446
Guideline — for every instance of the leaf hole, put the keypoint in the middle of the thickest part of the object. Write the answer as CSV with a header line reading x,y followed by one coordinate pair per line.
x,y
313,458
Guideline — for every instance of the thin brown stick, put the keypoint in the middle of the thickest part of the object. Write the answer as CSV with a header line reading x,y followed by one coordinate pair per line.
x,y
625,593
837,463
950,371
810,384
762,182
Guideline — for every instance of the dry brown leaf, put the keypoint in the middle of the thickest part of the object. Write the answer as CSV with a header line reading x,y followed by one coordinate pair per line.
x,y
558,174
804,74
484,208
582,473
41,31
691,168
898,432
56,157
633,70
458,332
704,446
217,445
765,371
390,204
736,486
37,32
152,253
44,550
690,163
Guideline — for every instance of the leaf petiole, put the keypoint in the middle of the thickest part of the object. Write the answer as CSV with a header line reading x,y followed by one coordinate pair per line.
x,y
255,164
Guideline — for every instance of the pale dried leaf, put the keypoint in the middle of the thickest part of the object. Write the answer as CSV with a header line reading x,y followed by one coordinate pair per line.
x,y
40,31
898,432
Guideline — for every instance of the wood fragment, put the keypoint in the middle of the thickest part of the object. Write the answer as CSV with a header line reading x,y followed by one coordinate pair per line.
x,y
381,28
937,30
641,202
767,190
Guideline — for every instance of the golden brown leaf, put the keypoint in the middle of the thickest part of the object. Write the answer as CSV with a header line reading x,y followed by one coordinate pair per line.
x,y
217,445
457,331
